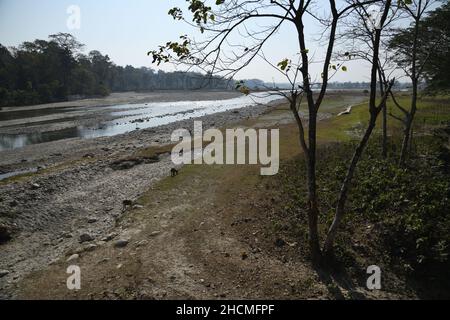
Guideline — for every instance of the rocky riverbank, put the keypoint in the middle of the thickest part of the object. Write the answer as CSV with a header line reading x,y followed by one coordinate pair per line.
x,y
78,191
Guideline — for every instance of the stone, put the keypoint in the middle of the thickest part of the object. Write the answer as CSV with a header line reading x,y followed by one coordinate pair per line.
x,y
5,233
92,220
86,237
4,273
155,233
122,243
109,237
35,186
280,242
73,257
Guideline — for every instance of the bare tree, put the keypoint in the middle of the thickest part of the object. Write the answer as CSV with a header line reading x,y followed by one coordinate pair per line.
x,y
358,41
221,54
411,54
374,110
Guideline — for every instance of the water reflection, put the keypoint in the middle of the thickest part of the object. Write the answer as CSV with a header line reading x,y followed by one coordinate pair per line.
x,y
33,113
134,117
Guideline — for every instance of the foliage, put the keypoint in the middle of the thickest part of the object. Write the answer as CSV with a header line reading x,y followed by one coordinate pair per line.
x,y
47,71
409,207
433,47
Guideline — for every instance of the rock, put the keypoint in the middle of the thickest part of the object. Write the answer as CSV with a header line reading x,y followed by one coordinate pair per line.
x,y
4,273
73,257
89,155
92,220
244,255
109,237
122,243
5,233
35,186
280,242
155,233
13,203
86,237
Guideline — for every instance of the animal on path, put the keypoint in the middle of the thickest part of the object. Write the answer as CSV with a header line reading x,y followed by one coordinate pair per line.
x,y
173,172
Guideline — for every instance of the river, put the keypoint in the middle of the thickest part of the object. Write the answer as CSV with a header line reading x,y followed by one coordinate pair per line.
x,y
114,119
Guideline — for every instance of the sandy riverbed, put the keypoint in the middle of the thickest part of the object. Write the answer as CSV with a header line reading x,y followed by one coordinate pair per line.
x,y
77,190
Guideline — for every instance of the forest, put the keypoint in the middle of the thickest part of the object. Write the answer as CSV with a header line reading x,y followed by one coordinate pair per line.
x,y
55,70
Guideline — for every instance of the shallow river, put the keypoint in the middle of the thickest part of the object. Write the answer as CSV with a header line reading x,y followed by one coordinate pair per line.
x,y
126,118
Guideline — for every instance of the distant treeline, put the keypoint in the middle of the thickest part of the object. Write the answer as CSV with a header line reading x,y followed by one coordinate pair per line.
x,y
259,84
55,69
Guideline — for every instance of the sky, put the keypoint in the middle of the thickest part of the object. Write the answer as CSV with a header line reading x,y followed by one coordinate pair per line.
x,y
127,29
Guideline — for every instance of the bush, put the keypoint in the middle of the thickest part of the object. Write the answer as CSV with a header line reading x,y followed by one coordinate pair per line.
x,y
408,208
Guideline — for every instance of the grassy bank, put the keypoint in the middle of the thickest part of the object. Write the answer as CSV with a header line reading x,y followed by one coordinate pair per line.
x,y
397,218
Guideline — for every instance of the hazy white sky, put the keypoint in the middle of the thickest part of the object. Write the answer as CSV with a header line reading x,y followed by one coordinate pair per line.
x,y
127,29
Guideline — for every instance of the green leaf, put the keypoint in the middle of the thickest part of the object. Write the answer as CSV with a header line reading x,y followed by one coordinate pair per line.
x,y
283,64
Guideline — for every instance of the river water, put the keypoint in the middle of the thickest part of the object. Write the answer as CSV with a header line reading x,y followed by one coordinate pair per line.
x,y
126,118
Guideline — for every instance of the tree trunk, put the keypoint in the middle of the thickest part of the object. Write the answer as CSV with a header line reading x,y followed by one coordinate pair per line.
x,y
408,126
384,107
313,208
340,207
405,143
384,142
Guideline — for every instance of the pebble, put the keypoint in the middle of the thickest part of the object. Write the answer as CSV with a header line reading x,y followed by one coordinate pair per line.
x,y
92,220
122,243
35,186
4,273
73,257
86,237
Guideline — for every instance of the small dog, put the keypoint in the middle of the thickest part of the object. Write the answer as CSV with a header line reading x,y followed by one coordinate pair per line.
x,y
173,172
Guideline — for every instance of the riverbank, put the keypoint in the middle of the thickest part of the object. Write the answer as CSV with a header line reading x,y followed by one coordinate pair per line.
x,y
79,188
79,192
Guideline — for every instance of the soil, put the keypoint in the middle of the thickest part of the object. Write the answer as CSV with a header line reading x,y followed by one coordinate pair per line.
x,y
139,233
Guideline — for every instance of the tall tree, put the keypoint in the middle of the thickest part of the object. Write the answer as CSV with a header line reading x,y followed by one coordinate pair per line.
x,y
412,52
220,55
